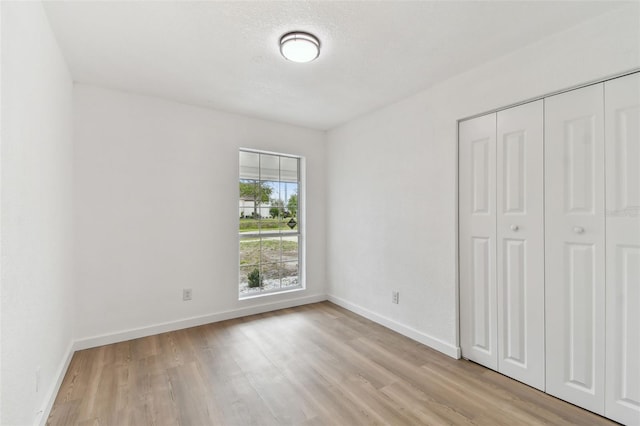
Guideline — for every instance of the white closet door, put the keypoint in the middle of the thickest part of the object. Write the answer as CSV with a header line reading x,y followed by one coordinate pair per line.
x,y
478,240
574,247
622,118
520,243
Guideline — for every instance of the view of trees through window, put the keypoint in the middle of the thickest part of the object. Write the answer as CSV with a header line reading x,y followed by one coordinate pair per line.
x,y
269,219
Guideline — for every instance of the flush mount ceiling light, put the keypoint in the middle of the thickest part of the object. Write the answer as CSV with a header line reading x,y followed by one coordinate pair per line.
x,y
299,47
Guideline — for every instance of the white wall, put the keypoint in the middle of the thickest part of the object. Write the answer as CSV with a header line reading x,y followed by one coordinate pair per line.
x,y
36,186
391,176
157,210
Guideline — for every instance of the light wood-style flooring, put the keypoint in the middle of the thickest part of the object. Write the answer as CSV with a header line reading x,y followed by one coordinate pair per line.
x,y
310,365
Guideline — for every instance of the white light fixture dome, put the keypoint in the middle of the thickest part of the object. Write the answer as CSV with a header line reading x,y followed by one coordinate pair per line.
x,y
299,47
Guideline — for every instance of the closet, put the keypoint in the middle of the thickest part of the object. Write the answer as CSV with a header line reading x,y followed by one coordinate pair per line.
x,y
549,250
501,231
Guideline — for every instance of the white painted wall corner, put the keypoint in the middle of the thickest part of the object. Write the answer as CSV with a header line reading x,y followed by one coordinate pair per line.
x,y
43,415
135,333
121,336
430,341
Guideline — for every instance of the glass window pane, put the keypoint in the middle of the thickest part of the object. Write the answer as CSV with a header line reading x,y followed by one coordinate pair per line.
x,y
271,251
289,225
263,213
282,223
248,224
290,274
290,195
266,191
244,222
274,201
269,167
249,165
274,189
249,252
289,248
289,169
268,207
249,196
270,276
249,280
267,225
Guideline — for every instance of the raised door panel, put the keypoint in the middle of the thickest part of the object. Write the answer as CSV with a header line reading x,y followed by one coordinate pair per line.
x,y
622,118
477,198
574,247
520,243
578,317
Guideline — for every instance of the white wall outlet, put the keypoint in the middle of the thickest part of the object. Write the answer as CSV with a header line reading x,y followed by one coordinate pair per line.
x,y
395,297
186,294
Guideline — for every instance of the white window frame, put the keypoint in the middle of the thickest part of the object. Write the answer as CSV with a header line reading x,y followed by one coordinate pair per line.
x,y
300,231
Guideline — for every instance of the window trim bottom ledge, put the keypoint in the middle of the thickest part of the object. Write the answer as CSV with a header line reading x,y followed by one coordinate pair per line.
x,y
272,293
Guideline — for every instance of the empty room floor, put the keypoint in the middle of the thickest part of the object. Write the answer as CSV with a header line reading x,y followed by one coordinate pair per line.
x,y
316,364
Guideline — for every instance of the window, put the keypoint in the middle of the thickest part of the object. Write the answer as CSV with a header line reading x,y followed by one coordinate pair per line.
x,y
269,232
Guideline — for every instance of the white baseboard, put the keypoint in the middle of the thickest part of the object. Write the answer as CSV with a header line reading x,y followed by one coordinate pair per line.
x,y
135,333
433,342
151,330
41,418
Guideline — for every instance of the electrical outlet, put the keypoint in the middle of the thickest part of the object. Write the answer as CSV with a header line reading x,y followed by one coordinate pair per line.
x,y
186,294
395,297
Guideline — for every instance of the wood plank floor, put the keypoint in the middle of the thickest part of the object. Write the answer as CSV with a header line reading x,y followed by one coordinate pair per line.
x,y
311,365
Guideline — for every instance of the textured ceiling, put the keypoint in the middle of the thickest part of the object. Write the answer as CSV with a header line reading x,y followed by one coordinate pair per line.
x,y
225,55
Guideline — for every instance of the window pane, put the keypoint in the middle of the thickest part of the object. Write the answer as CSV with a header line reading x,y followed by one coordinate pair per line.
x,y
249,202
289,225
289,248
249,252
249,165
263,213
249,280
271,276
268,208
290,274
291,194
267,225
275,203
266,189
272,189
269,167
289,169
271,250
248,224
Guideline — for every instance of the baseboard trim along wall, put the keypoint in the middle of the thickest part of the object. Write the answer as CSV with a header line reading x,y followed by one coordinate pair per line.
x,y
43,414
135,333
412,333
122,336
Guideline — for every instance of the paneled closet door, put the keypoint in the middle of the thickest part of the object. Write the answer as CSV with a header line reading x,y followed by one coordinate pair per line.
x,y
477,211
622,118
520,243
574,247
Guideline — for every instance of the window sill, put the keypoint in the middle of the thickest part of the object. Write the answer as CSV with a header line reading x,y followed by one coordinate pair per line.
x,y
270,293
